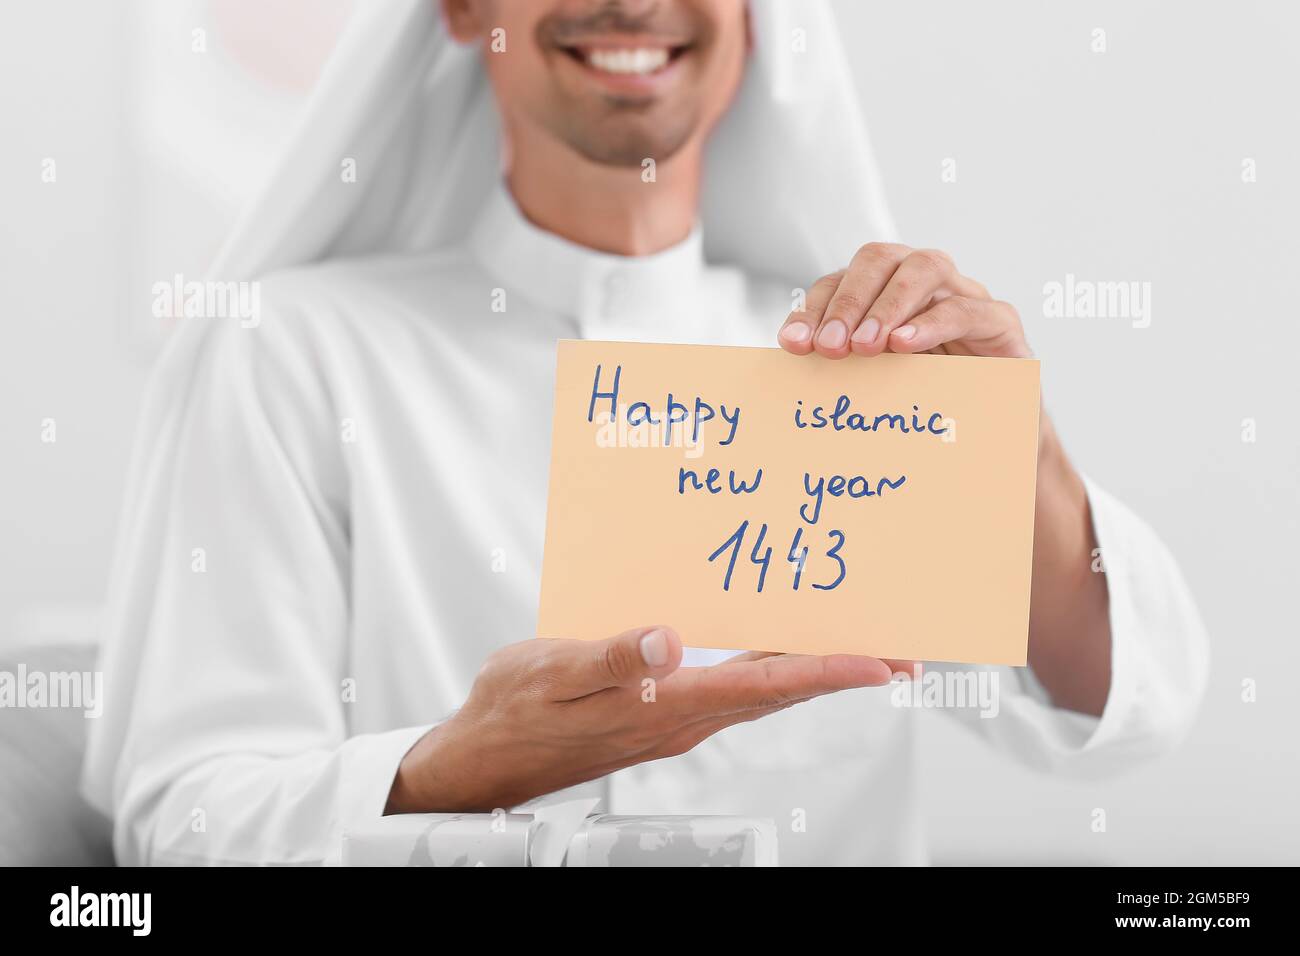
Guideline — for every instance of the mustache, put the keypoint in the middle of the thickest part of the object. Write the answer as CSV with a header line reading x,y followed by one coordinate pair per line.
x,y
613,18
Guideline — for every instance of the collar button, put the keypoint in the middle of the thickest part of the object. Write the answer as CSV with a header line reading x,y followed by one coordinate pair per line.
x,y
617,293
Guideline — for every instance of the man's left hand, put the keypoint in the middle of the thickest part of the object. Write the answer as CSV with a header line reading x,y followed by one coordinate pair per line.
x,y
898,299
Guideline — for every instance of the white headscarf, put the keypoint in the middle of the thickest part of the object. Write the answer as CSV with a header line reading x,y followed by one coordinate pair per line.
x,y
791,187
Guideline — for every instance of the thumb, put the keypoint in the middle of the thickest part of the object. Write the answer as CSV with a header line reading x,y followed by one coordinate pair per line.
x,y
624,660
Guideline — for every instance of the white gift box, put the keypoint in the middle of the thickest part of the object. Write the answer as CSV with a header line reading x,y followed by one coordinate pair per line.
x,y
527,839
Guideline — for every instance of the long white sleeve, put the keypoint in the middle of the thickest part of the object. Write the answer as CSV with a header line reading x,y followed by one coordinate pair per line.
x,y
226,737
1159,663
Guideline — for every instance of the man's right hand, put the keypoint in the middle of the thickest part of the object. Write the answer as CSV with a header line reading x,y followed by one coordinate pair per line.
x,y
548,714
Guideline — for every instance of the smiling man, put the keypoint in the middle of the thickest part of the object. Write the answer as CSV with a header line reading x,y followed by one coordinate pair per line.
x,y
364,472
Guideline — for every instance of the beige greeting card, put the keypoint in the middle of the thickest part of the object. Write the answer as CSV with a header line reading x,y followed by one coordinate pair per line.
x,y
758,500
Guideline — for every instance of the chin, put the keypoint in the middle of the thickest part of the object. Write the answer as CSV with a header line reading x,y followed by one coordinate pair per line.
x,y
612,143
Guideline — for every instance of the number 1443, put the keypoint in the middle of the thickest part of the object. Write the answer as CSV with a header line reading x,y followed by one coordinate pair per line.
x,y
761,556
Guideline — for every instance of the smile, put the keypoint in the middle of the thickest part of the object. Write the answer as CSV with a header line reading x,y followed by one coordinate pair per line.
x,y
639,60
625,61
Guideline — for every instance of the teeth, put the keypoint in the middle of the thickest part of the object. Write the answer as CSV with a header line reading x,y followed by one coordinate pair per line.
x,y
641,60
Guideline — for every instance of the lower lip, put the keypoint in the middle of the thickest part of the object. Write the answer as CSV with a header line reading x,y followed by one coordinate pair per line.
x,y
629,84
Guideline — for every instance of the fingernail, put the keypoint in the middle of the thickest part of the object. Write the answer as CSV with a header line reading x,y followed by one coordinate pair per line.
x,y
904,332
833,336
866,333
796,333
654,648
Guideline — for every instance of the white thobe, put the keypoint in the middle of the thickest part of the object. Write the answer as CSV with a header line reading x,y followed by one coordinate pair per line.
x,y
340,514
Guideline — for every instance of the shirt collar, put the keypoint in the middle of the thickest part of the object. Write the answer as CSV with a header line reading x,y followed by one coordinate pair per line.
x,y
599,289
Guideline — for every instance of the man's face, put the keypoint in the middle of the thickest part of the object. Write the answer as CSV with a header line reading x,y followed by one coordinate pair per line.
x,y
618,81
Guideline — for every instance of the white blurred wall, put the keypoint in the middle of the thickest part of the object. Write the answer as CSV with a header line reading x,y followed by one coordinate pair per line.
x,y
1117,166
160,116
61,261
1127,165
